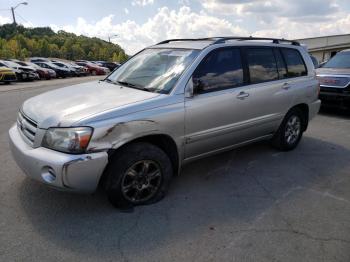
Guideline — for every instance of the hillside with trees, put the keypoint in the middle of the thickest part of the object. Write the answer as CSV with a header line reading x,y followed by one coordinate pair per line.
x,y
20,42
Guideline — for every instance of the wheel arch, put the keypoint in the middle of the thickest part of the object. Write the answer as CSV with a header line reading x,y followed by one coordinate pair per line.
x,y
163,141
304,109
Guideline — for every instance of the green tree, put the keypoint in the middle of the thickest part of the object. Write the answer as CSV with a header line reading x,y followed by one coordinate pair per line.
x,y
20,42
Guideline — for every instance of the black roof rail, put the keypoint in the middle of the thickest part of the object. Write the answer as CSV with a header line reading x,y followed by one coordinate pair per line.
x,y
187,39
220,40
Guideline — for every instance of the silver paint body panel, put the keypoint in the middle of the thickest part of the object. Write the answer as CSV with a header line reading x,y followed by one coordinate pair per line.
x,y
200,125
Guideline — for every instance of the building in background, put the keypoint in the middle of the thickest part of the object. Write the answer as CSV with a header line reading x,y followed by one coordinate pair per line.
x,y
325,47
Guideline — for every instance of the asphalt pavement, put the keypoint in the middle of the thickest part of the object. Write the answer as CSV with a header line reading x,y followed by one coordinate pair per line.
x,y
249,204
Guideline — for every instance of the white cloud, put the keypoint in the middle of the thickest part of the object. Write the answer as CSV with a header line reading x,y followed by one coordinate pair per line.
x,y
289,19
184,2
126,11
8,20
296,29
5,20
164,25
278,8
273,18
142,2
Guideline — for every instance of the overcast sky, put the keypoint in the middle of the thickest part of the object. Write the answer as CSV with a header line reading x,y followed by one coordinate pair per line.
x,y
139,23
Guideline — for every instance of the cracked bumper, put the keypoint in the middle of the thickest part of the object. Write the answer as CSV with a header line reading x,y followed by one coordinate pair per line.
x,y
80,173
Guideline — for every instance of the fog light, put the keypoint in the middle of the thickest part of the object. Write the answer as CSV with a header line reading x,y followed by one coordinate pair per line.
x,y
48,174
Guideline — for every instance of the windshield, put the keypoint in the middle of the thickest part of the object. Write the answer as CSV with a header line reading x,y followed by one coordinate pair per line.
x,y
155,70
21,63
33,65
11,64
340,60
52,65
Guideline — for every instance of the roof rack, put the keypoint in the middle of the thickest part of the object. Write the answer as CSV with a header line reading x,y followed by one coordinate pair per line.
x,y
186,39
220,40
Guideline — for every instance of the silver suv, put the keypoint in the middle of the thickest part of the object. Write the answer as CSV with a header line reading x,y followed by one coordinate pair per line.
x,y
171,103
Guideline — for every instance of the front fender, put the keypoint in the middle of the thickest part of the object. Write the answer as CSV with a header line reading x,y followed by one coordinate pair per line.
x,y
114,136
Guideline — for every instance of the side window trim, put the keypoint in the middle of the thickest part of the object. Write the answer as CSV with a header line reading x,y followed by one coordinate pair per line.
x,y
275,51
225,88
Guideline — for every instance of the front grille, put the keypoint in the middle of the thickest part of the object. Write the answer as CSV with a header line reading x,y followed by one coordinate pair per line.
x,y
331,89
10,77
27,127
334,90
334,81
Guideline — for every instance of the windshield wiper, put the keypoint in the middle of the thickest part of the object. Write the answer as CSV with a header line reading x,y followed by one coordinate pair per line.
x,y
109,81
133,86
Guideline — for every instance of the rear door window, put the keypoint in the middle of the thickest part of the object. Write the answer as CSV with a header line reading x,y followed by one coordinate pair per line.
x,y
295,63
221,69
261,64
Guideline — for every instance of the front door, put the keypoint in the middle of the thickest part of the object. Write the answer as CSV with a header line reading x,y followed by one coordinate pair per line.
x,y
217,104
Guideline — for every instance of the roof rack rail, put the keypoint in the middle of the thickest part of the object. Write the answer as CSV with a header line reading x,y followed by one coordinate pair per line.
x,y
220,40
187,39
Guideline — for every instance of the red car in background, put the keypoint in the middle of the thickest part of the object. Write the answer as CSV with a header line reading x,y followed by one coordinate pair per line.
x,y
92,68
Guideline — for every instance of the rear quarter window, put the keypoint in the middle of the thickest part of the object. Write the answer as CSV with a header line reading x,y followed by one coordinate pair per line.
x,y
295,63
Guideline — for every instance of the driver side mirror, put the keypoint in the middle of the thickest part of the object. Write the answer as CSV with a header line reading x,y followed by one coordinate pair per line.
x,y
189,90
194,86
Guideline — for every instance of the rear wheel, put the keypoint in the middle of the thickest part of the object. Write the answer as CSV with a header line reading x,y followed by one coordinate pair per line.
x,y
290,131
138,174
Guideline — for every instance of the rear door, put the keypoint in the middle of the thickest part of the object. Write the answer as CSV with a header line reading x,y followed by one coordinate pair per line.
x,y
297,81
269,90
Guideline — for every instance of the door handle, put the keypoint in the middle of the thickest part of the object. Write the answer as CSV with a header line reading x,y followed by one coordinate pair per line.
x,y
285,86
242,95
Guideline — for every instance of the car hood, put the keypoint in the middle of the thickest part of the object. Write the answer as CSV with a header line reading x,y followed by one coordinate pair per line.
x,y
25,68
28,67
5,69
68,105
333,71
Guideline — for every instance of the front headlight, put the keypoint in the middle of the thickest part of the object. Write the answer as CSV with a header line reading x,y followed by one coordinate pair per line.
x,y
69,140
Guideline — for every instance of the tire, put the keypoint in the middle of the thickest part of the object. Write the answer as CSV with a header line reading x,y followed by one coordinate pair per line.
x,y
93,73
290,131
138,174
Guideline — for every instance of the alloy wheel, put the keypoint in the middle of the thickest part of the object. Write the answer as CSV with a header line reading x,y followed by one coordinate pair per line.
x,y
293,129
141,181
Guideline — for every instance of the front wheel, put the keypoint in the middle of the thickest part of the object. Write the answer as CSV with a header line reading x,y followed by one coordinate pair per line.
x,y
138,174
290,131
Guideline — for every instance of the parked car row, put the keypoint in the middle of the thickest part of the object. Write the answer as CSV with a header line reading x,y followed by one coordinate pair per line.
x,y
43,68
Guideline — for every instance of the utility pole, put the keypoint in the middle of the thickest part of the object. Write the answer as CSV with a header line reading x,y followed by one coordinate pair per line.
x,y
13,16
109,37
13,11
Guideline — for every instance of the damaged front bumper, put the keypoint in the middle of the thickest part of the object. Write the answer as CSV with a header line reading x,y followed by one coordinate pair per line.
x,y
79,173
